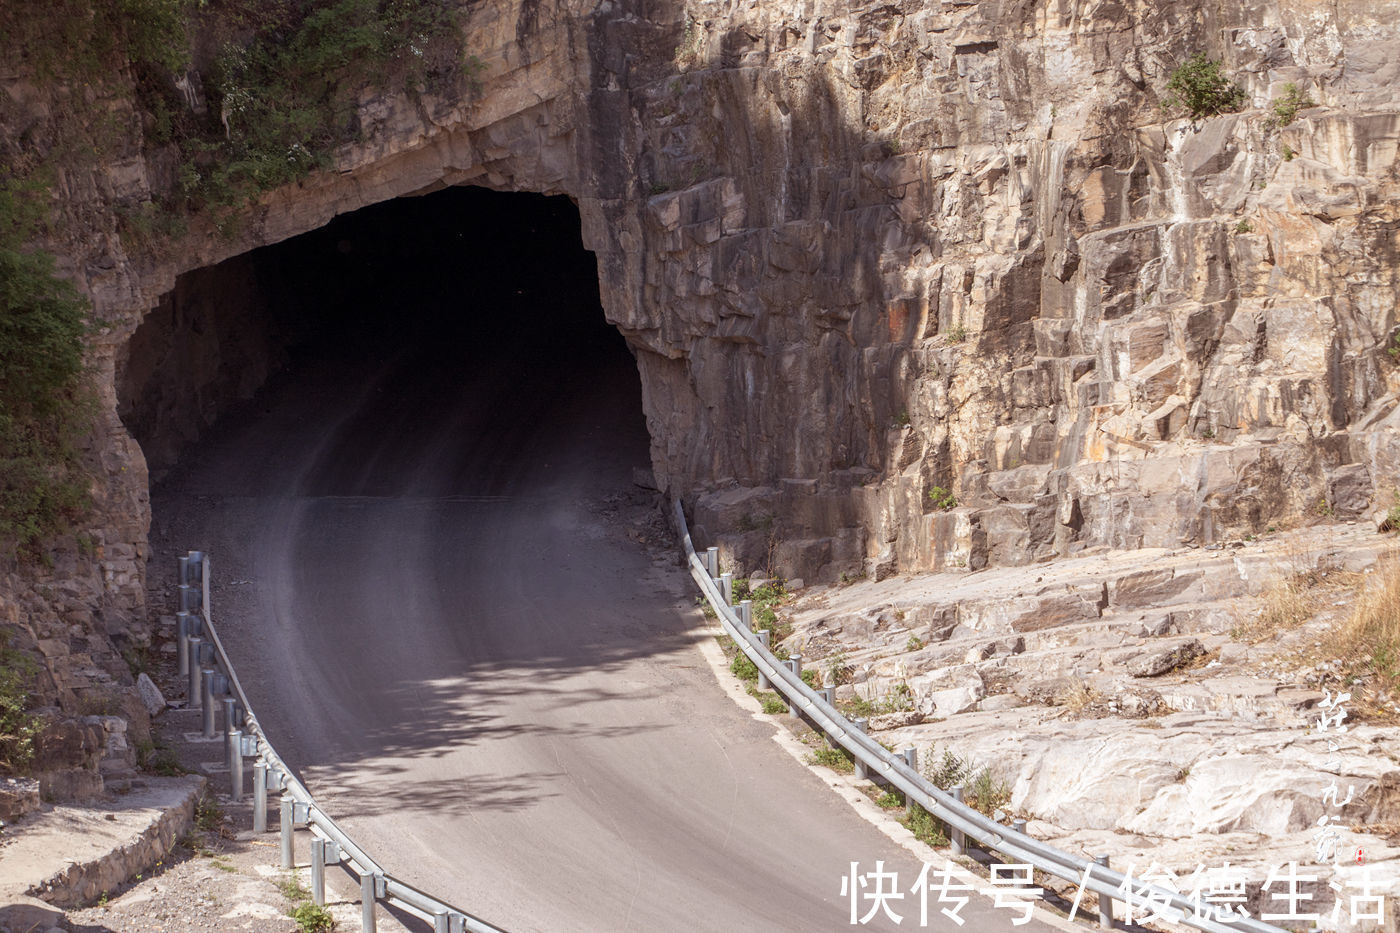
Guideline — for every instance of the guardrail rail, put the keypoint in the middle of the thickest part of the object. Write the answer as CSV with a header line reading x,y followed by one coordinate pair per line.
x,y
899,771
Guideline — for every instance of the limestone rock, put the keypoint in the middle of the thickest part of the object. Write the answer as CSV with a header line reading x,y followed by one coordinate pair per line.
x,y
18,796
151,696
897,720
1160,660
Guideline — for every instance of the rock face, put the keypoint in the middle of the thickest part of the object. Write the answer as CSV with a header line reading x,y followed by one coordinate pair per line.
x,y
862,253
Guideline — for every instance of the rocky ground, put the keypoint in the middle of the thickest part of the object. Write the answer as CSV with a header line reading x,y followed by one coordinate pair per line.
x,y
1161,707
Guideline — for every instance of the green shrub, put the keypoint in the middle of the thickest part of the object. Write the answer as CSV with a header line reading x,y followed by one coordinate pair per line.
x,y
837,759
208,814
898,698
1286,107
857,707
1198,87
288,90
43,411
282,91
982,789
18,727
158,758
988,793
772,703
292,888
890,800
942,499
742,668
312,919
924,826
766,598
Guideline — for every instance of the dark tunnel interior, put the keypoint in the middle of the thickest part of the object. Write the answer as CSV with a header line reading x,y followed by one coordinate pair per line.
x,y
466,264
446,287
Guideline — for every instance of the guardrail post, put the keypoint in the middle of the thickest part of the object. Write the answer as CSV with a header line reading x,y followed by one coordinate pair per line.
x,y
746,614
829,697
795,665
792,664
184,570
712,562
1018,826
1105,902
318,871
182,642
441,922
862,772
285,827
368,884
235,764
911,758
957,841
207,699
726,587
189,598
195,563
763,682
260,796
195,693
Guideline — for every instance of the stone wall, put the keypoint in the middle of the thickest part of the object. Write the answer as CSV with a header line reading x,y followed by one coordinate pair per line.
x,y
208,343
862,251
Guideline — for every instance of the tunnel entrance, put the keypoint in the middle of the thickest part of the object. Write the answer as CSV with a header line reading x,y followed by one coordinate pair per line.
x,y
408,305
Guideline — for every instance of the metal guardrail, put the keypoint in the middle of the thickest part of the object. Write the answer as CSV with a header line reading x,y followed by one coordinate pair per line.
x,y
213,686
963,822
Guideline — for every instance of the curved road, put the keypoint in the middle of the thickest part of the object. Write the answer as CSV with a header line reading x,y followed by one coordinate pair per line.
x,y
497,692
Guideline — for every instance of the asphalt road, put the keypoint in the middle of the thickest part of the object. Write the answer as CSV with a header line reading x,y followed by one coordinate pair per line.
x,y
496,692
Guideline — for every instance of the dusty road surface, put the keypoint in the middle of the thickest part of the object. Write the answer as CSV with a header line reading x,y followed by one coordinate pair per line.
x,y
498,693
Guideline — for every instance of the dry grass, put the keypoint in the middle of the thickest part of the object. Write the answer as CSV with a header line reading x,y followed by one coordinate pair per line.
x,y
1293,600
1282,608
1079,698
1367,642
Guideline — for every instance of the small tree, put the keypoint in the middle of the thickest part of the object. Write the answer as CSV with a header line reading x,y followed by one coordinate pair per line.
x,y
1200,88
1286,107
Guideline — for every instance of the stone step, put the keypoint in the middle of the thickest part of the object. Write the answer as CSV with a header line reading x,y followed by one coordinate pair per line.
x,y
73,854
